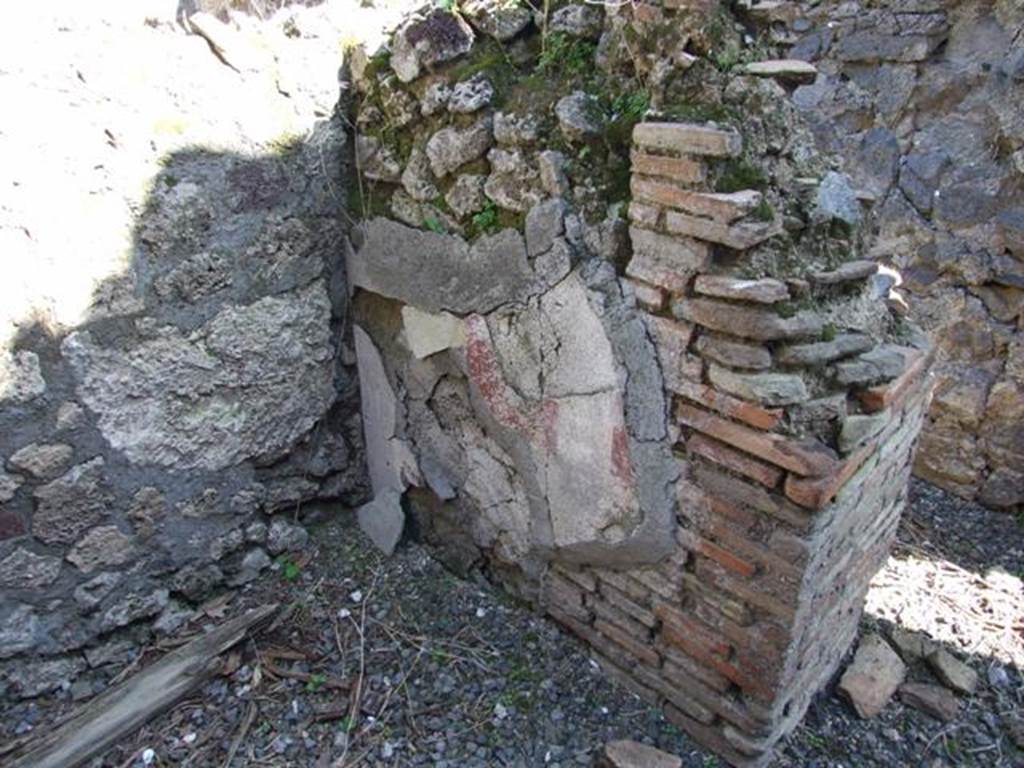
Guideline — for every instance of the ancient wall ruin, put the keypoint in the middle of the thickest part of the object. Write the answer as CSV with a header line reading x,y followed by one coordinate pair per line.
x,y
161,448
924,99
682,426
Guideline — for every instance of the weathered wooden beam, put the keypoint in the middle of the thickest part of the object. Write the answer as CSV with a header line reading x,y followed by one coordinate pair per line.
x,y
125,707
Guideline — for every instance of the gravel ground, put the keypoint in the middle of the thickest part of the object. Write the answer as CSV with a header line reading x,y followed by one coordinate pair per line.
x,y
453,673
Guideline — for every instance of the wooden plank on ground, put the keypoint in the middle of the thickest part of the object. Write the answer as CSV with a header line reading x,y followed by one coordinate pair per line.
x,y
125,707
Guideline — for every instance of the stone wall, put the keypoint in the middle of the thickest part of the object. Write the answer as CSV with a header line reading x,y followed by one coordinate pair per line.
x,y
639,373
794,453
160,448
925,99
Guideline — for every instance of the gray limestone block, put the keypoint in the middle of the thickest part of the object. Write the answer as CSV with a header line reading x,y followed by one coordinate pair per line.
x,y
21,378
237,370
71,504
920,177
579,116
33,678
283,536
836,199
19,627
383,520
471,95
544,222
450,148
24,569
436,272
496,18
103,546
426,39
859,428
766,388
43,461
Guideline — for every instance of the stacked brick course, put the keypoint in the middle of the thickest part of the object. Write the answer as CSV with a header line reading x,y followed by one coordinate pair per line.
x,y
794,442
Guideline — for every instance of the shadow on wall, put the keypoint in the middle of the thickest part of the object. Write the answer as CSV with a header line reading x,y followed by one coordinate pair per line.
x,y
164,448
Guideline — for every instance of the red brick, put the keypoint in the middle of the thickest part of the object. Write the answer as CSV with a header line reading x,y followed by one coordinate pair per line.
x,y
875,399
668,262
628,606
700,654
682,169
727,405
740,236
617,672
722,602
685,624
709,736
688,138
723,557
712,450
648,297
566,595
735,541
739,491
620,582
727,559
579,576
806,457
724,208
816,493
765,592
645,215
760,632
638,648
732,512
680,696
717,700
680,668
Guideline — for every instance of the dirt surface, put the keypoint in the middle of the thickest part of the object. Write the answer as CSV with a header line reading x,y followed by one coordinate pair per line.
x,y
396,662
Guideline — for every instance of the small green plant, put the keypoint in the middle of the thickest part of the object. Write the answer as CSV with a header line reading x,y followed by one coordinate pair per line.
x,y
565,55
440,655
171,180
828,332
726,60
316,682
738,174
709,762
816,740
631,106
785,310
484,221
434,225
452,6
763,211
290,570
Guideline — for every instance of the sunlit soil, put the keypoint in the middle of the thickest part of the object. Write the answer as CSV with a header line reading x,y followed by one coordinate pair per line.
x,y
979,613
